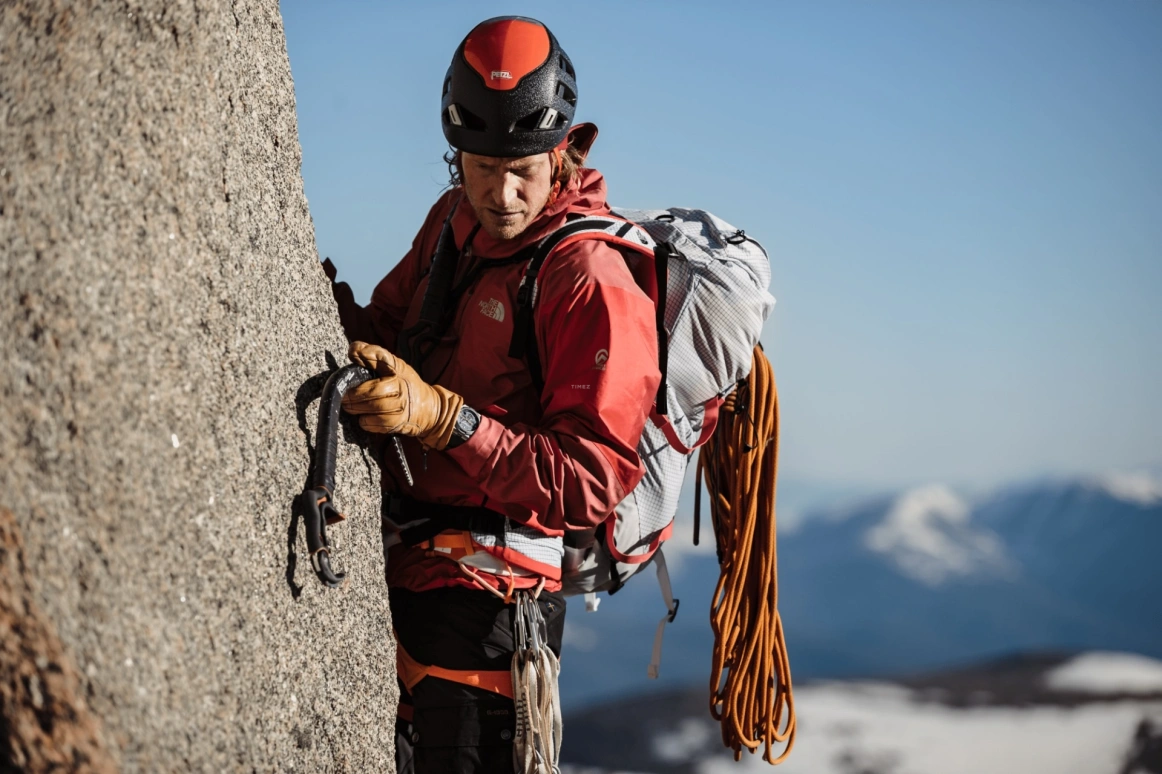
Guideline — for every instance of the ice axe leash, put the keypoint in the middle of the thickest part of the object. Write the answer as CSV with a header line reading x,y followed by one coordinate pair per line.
x,y
318,501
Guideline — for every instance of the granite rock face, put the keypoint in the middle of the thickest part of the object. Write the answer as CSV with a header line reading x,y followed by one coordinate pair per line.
x,y
162,314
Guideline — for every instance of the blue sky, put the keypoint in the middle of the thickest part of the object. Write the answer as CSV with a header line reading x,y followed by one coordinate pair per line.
x,y
962,201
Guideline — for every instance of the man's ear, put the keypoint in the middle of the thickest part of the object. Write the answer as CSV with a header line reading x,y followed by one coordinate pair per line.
x,y
581,138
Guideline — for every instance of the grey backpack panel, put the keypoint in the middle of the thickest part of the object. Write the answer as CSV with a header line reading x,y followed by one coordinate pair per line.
x,y
717,300
716,304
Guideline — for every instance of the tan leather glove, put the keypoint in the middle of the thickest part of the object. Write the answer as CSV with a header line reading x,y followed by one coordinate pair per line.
x,y
400,401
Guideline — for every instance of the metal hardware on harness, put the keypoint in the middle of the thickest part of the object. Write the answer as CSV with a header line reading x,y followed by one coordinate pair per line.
x,y
535,669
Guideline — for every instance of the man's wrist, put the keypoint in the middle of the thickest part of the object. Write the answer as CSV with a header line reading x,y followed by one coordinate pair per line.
x,y
466,423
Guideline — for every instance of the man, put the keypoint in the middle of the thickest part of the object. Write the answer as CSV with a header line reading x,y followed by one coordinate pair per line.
x,y
508,457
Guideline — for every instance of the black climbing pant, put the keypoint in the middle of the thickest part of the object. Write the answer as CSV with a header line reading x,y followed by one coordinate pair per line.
x,y
456,727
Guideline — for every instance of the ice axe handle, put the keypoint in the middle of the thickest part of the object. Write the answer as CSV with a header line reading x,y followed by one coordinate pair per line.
x,y
327,435
318,501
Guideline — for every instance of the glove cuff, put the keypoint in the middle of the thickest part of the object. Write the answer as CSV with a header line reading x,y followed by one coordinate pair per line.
x,y
445,421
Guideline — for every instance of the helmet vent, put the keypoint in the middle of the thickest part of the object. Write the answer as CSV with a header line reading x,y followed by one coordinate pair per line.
x,y
545,119
458,115
567,94
549,120
567,66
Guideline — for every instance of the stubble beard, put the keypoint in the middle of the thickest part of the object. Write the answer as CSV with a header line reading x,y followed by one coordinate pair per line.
x,y
508,231
505,231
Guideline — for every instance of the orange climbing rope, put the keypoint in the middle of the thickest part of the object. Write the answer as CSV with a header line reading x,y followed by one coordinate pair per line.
x,y
750,678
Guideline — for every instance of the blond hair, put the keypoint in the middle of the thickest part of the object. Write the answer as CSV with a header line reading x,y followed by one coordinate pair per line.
x,y
572,161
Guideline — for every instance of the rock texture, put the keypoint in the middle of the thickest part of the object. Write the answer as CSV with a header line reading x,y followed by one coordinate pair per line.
x,y
46,723
162,314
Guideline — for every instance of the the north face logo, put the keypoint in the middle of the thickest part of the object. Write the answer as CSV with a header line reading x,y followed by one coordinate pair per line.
x,y
492,308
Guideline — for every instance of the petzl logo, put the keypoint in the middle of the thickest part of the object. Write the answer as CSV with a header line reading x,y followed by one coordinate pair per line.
x,y
600,360
498,74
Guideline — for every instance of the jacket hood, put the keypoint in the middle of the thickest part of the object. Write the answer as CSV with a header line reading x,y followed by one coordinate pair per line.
x,y
585,195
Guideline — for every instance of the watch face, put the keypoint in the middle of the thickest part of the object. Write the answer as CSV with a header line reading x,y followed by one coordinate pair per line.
x,y
466,422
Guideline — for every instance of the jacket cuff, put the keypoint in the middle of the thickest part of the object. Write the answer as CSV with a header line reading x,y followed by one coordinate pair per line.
x,y
474,454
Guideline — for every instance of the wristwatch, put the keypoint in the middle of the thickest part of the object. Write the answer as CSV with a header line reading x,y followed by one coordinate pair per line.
x,y
466,423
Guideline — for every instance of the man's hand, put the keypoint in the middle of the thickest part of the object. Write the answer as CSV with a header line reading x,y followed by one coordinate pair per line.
x,y
400,401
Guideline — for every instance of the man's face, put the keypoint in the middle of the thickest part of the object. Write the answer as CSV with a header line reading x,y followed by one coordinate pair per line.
x,y
507,193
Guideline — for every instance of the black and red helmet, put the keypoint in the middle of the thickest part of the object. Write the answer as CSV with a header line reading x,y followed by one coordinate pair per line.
x,y
510,91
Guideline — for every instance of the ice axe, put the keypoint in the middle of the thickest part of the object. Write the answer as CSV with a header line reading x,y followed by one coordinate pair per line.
x,y
318,501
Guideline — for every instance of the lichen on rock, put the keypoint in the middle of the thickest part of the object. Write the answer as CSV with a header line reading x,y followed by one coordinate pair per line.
x,y
46,724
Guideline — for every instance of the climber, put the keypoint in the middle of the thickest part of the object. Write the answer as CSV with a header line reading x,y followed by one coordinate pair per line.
x,y
509,455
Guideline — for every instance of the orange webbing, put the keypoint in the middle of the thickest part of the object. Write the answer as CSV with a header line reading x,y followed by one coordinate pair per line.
x,y
411,672
451,545
750,678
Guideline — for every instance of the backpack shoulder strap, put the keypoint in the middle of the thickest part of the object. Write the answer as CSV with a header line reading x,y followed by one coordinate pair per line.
x,y
442,296
616,231
415,343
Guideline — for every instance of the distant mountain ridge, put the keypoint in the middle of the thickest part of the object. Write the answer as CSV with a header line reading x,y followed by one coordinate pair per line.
x,y
916,581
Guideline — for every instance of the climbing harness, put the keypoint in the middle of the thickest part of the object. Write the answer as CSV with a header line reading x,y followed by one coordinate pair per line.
x,y
536,744
750,678
318,500
531,682
411,672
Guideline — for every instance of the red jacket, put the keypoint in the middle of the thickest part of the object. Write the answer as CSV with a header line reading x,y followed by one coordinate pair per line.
x,y
556,461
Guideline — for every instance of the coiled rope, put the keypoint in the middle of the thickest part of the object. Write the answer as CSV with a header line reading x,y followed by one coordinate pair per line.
x,y
750,678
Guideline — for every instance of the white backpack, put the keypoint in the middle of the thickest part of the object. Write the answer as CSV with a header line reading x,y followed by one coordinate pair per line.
x,y
713,279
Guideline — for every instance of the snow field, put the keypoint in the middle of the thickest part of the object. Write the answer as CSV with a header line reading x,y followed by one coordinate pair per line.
x,y
883,728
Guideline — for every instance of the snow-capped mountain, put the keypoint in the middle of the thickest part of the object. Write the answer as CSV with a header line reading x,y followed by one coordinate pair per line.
x,y
927,534
919,580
